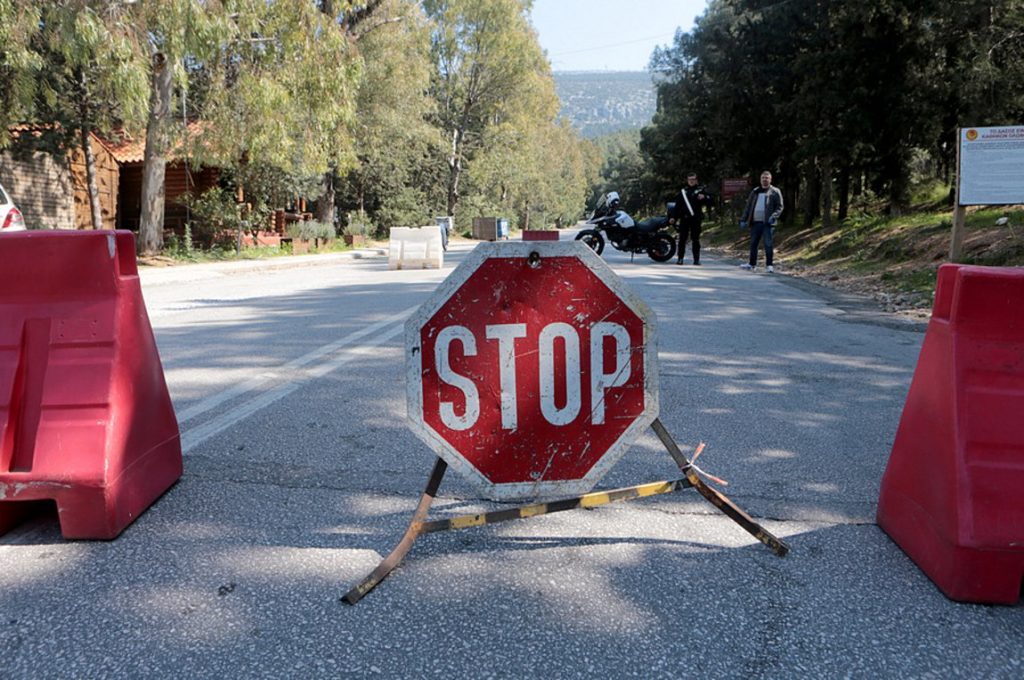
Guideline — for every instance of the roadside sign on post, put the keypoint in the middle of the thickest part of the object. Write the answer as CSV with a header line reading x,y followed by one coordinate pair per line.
x,y
988,161
734,186
531,369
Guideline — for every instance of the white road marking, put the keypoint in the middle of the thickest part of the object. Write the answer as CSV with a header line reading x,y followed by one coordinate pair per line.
x,y
294,374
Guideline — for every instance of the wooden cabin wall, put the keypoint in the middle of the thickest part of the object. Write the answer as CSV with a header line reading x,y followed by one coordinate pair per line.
x,y
41,186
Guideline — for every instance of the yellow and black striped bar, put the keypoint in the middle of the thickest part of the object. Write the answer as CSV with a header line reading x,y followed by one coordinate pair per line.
x,y
590,500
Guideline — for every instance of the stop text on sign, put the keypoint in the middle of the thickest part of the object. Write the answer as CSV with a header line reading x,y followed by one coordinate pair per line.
x,y
551,337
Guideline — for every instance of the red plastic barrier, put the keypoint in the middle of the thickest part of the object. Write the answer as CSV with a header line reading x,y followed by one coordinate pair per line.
x,y
953,493
85,416
540,235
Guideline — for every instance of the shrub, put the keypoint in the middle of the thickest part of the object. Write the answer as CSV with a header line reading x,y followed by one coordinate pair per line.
x,y
357,224
311,229
213,212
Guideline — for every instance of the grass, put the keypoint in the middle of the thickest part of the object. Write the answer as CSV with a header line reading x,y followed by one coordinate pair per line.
x,y
177,254
895,255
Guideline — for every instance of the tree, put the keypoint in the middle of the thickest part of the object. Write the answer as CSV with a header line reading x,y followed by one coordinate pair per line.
x,y
395,179
19,64
811,90
484,53
88,77
980,54
175,32
279,94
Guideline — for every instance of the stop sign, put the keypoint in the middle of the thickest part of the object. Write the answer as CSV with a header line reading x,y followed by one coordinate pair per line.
x,y
531,369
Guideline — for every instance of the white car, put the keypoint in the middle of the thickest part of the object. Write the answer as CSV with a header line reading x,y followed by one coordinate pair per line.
x,y
10,216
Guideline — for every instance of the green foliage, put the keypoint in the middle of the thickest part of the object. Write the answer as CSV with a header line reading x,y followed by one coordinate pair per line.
x,y
19,64
862,97
357,224
496,107
281,90
216,217
408,207
71,66
410,107
311,229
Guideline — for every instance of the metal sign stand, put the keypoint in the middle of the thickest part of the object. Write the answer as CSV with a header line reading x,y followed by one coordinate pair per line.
x,y
419,524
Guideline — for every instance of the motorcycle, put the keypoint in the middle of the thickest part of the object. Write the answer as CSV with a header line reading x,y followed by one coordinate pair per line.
x,y
649,236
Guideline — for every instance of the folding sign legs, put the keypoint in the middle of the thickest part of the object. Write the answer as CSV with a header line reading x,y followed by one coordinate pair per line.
x,y
419,525
411,534
717,498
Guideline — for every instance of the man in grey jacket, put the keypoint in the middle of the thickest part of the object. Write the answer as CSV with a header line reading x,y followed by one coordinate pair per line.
x,y
761,213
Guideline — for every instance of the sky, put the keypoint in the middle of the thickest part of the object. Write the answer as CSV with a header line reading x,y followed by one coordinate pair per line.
x,y
609,35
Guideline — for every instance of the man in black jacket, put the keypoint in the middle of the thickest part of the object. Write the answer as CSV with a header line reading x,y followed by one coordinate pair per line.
x,y
689,214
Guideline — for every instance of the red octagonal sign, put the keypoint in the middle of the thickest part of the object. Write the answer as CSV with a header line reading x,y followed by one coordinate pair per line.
x,y
531,369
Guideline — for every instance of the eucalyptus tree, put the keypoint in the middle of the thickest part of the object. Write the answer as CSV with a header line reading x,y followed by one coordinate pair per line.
x,y
88,78
569,168
278,96
176,33
19,22
484,53
393,181
530,165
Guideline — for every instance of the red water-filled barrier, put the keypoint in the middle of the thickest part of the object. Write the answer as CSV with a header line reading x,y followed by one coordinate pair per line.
x,y
540,235
85,416
953,493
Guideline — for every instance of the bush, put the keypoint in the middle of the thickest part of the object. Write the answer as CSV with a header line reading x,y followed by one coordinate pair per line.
x,y
406,207
213,212
357,224
310,230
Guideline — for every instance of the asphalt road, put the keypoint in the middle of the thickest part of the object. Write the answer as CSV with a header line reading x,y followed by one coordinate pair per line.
x,y
300,473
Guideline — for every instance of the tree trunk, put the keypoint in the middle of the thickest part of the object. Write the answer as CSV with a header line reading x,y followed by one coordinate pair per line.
x,y
826,192
812,195
896,169
154,168
90,180
325,204
844,192
85,128
454,174
897,196
458,139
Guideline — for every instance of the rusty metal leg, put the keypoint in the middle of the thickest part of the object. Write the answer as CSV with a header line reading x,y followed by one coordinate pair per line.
x,y
717,498
411,534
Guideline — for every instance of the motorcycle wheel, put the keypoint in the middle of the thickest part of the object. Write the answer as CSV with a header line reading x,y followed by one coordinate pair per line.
x,y
662,248
594,240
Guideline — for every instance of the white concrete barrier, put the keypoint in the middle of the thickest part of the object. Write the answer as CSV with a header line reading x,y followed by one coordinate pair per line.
x,y
415,248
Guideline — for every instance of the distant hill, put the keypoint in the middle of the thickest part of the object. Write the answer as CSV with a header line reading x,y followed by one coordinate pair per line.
x,y
602,102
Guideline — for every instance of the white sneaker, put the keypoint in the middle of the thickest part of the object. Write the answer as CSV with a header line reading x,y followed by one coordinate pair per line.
x,y
745,266
771,269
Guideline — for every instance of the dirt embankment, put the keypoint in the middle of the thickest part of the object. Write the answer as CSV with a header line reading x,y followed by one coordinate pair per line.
x,y
892,261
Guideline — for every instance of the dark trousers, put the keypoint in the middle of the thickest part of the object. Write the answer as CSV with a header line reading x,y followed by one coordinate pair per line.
x,y
689,230
759,230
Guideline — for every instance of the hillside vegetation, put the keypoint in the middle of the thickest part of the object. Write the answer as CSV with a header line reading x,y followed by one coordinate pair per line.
x,y
894,260
601,103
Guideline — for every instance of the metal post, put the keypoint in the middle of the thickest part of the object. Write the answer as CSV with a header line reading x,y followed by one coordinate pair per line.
x,y
956,244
